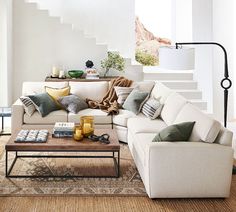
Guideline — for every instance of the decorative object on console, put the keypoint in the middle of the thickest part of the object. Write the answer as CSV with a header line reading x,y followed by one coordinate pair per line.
x,y
91,72
152,108
176,59
122,93
56,93
72,103
28,105
135,100
175,132
87,124
55,72
63,129
75,73
113,61
44,103
109,103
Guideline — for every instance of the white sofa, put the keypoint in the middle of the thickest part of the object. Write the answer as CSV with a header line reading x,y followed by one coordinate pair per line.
x,y
200,168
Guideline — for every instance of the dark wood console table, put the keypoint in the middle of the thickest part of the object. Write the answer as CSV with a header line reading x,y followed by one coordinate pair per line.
x,y
50,79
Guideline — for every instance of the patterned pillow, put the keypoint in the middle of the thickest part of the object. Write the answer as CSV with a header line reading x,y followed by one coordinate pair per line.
x,y
122,93
152,108
28,105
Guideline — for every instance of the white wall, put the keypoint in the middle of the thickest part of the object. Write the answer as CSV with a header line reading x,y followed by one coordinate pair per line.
x,y
202,31
224,33
5,52
40,41
109,21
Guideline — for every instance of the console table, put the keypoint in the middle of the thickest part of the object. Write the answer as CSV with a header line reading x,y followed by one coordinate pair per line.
x,y
50,79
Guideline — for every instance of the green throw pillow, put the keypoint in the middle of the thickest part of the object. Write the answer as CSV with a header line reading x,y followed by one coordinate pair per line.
x,y
134,101
176,132
44,103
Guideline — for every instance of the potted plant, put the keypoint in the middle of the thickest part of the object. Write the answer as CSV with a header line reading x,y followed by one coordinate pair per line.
x,y
113,61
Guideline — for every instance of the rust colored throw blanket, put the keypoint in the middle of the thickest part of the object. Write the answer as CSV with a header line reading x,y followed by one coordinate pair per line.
x,y
109,103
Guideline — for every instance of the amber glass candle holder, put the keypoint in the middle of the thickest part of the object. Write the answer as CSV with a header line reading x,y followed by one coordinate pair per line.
x,y
78,133
87,124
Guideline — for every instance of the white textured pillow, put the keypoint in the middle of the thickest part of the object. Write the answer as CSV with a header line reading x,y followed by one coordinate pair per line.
x,y
28,105
122,93
152,108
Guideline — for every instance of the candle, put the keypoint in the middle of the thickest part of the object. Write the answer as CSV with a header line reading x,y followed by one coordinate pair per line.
x,y
87,128
55,71
78,132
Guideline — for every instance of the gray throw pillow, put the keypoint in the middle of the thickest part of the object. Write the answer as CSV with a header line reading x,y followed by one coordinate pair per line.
x,y
135,100
176,132
43,103
72,103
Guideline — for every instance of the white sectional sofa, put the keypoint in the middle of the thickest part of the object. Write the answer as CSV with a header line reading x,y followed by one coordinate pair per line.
x,y
201,167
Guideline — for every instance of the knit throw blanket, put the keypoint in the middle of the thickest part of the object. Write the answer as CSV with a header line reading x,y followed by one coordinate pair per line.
x,y
109,103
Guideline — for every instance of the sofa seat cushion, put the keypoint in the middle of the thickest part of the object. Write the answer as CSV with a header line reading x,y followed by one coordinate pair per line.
x,y
145,125
51,118
205,129
141,142
122,118
100,117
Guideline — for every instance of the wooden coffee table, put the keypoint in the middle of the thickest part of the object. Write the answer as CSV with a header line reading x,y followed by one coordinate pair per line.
x,y
65,145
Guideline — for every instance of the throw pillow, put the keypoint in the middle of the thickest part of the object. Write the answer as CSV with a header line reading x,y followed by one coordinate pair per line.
x,y
176,132
152,108
44,103
55,93
122,93
28,105
135,101
72,103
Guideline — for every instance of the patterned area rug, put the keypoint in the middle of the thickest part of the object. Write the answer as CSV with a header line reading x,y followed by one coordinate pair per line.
x,y
129,184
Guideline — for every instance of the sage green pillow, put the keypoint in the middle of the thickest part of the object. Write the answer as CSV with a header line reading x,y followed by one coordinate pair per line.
x,y
44,104
176,132
135,101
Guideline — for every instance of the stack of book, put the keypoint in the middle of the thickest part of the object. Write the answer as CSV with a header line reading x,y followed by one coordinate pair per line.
x,y
63,129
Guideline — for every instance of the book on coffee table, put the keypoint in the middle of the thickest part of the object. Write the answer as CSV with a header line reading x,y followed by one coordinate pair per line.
x,y
63,129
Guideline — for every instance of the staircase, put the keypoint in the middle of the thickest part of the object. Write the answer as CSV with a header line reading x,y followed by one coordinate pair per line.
x,y
180,81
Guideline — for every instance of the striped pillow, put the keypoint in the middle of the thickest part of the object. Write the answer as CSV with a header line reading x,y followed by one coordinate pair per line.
x,y
122,93
28,105
152,108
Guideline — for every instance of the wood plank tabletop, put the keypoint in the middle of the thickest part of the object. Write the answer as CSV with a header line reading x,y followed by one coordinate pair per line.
x,y
67,144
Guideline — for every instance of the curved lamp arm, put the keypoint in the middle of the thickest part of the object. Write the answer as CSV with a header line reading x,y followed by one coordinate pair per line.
x,y
226,73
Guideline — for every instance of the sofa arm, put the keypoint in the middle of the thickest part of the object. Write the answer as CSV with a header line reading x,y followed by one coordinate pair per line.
x,y
17,116
188,169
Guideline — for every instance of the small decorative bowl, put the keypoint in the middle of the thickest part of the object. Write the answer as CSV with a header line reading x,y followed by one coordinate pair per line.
x,y
75,73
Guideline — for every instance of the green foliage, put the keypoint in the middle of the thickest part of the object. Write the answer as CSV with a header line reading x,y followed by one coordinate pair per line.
x,y
146,59
113,61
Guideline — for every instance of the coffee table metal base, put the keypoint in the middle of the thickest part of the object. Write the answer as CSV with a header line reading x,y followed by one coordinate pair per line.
x,y
115,156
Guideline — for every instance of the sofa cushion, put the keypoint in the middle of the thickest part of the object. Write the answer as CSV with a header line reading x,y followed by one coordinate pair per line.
x,y
145,125
172,107
51,118
28,105
72,103
205,129
175,132
100,117
145,86
44,103
89,90
135,100
122,118
161,92
152,108
141,142
56,93
122,93
30,88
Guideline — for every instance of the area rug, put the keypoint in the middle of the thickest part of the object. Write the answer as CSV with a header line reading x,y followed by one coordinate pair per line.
x,y
129,184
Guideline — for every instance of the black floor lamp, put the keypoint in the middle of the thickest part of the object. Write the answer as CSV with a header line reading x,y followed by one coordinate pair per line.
x,y
225,83
181,58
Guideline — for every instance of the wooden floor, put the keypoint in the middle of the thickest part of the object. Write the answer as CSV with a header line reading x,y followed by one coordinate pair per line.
x,y
90,204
